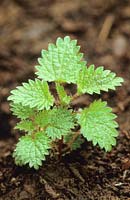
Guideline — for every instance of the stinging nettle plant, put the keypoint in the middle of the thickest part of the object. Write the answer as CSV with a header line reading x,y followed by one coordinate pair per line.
x,y
52,122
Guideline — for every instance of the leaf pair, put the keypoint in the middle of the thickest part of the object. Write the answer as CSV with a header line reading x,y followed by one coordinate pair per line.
x,y
52,125
62,63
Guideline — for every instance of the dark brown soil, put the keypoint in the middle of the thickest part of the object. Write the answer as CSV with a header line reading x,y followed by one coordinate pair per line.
x,y
103,30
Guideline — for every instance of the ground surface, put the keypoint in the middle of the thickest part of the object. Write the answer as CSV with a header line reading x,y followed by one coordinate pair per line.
x,y
103,30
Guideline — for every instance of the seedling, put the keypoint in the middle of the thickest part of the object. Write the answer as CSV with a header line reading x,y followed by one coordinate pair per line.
x,y
52,122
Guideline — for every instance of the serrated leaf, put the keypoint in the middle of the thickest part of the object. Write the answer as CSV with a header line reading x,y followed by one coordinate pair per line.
x,y
22,112
32,150
62,62
98,125
34,94
64,98
77,143
42,118
93,80
55,122
25,125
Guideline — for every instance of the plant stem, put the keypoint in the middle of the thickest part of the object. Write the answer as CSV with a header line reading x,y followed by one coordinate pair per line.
x,y
75,96
71,142
73,139
60,147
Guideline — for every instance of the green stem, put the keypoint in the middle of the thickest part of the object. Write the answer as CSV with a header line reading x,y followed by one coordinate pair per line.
x,y
75,96
69,145
73,139
61,93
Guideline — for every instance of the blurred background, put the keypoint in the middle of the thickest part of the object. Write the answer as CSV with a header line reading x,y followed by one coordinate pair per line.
x,y
102,28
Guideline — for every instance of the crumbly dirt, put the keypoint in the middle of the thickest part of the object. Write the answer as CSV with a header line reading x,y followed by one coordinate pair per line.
x,y
103,30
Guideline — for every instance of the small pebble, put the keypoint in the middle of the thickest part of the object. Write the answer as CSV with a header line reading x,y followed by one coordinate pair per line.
x,y
23,195
120,46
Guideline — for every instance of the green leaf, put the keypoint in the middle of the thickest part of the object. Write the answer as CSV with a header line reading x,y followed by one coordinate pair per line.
x,y
61,122
93,80
64,98
32,150
25,125
42,118
62,62
55,122
22,112
34,94
77,143
98,125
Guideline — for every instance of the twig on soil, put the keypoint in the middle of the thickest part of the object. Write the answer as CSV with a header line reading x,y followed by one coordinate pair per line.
x,y
107,25
48,188
75,171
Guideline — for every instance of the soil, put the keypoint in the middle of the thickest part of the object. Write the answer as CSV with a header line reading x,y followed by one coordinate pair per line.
x,y
103,30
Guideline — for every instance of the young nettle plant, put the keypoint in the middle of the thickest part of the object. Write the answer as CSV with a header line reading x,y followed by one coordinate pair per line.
x,y
53,123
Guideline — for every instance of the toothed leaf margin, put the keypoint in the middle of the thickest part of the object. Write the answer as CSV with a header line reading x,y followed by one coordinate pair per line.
x,y
32,150
98,125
